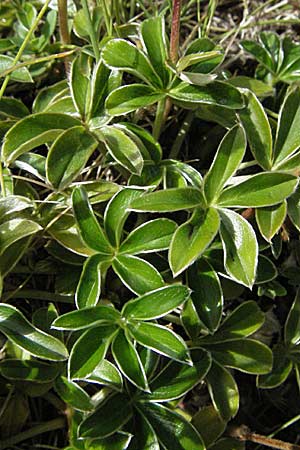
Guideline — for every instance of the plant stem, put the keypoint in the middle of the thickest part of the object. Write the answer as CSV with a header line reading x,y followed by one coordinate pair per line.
x,y
39,295
91,30
107,18
63,21
244,434
31,62
52,425
159,118
24,44
174,40
181,135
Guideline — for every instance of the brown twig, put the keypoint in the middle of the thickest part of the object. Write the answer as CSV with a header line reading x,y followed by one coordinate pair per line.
x,y
174,40
244,434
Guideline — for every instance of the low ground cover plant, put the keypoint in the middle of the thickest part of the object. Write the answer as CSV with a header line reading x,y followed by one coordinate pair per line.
x,y
149,228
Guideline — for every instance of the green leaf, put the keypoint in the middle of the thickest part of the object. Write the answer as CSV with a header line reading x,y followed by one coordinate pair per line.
x,y
207,296
176,380
33,131
230,154
144,435
193,59
292,324
240,247
15,229
13,254
293,207
28,370
168,200
259,52
109,417
22,74
190,320
270,219
240,323
258,130
122,55
262,189
12,108
128,361
99,90
73,394
156,304
161,340
172,430
266,270
216,93
223,391
32,163
154,43
123,149
49,95
13,204
117,441
68,155
86,318
282,367
89,228
192,238
152,146
209,423
258,87
89,350
117,212
246,355
106,373
288,136
89,286
79,83
130,98
138,275
151,236
20,331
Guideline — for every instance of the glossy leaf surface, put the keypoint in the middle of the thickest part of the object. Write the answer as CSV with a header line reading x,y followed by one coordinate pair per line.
x,y
86,318
20,331
168,200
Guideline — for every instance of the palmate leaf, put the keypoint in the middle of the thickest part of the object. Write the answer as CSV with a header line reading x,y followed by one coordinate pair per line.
x,y
89,350
21,332
157,303
138,275
33,131
223,390
230,153
192,238
109,417
160,339
89,228
240,247
151,236
128,360
258,130
117,212
207,295
262,189
68,155
122,55
172,430
132,97
287,137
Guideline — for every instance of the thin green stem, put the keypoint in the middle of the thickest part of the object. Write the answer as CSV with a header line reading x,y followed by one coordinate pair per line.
x,y
45,427
39,295
31,62
107,18
24,44
159,118
91,30
181,135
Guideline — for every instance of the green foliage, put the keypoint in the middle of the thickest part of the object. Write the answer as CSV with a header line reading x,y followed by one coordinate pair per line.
x,y
157,264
